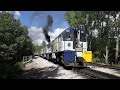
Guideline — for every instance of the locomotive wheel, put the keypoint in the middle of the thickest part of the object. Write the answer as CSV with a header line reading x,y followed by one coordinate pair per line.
x,y
50,58
62,59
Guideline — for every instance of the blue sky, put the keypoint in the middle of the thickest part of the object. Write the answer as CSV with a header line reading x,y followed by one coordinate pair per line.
x,y
58,19
35,24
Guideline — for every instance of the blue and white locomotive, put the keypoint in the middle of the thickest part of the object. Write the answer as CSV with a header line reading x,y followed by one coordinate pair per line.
x,y
69,48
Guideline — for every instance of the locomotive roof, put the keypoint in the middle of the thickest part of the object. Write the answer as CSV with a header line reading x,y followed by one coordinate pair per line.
x,y
71,29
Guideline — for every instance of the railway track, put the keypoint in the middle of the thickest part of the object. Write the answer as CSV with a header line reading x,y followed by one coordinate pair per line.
x,y
94,74
105,66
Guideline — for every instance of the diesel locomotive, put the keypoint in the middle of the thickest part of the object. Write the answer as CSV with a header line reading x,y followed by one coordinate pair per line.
x,y
69,48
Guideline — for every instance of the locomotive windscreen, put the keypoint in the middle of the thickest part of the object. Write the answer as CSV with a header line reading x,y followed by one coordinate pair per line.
x,y
83,36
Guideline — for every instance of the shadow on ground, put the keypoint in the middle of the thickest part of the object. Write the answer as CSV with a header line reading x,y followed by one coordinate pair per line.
x,y
43,73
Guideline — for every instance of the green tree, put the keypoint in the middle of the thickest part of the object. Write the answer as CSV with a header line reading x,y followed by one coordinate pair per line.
x,y
37,48
43,44
14,41
116,26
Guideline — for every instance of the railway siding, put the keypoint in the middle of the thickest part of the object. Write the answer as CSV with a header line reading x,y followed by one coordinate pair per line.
x,y
105,68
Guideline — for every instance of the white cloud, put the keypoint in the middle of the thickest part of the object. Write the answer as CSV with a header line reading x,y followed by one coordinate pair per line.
x,y
17,14
37,35
54,34
6,11
9,11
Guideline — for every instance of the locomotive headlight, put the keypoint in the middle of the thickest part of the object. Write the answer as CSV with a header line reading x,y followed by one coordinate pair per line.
x,y
69,44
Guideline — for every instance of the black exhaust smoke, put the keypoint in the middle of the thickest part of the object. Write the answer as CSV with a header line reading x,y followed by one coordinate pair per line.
x,y
47,27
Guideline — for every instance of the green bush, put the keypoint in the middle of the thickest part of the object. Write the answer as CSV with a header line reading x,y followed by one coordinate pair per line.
x,y
10,69
96,60
19,65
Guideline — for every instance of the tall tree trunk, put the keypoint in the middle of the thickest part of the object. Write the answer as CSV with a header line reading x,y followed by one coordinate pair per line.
x,y
90,45
117,48
88,29
117,42
107,41
106,56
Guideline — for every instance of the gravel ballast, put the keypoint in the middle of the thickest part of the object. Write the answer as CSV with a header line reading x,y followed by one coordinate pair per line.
x,y
40,68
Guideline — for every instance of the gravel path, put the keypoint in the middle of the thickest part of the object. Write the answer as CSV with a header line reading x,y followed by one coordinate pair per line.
x,y
42,69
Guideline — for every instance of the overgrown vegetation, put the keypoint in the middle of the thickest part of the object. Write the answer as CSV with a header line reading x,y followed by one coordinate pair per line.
x,y
14,44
